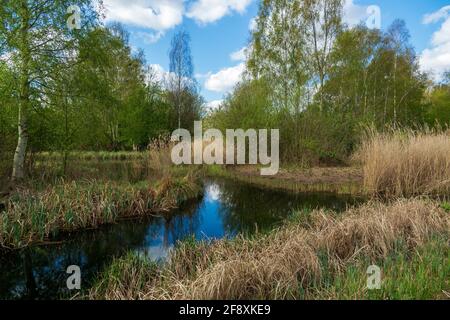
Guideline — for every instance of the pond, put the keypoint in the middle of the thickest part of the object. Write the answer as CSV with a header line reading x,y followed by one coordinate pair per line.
x,y
226,209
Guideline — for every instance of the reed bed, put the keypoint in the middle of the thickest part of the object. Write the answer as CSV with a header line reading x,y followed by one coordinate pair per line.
x,y
405,163
33,216
294,261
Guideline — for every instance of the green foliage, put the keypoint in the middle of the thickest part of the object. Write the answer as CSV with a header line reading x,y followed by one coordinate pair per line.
x,y
119,110
315,137
375,77
77,90
8,119
439,110
310,137
108,98
307,74
446,206
321,98
248,107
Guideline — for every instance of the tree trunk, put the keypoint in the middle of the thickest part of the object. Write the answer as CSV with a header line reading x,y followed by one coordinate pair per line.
x,y
24,100
395,91
19,156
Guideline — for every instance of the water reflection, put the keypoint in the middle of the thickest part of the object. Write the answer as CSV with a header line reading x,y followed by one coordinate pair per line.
x,y
226,209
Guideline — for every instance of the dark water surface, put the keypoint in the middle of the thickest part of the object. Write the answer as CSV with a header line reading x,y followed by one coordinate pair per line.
x,y
227,208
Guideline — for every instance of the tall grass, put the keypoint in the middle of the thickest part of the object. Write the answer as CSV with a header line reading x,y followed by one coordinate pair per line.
x,y
292,262
422,273
100,189
404,163
33,216
128,277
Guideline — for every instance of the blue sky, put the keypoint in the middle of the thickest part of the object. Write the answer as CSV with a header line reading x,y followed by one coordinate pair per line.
x,y
219,28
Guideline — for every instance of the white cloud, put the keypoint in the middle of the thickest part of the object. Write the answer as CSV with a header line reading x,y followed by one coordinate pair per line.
x,y
239,55
354,13
213,193
436,16
157,74
158,15
149,37
442,36
225,80
213,105
207,11
202,75
162,15
252,24
436,58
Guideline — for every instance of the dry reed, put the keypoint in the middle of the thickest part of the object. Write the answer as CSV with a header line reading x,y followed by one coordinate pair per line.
x,y
406,163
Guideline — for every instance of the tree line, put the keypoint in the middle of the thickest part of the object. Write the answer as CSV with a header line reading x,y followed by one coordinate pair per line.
x,y
83,89
324,82
321,82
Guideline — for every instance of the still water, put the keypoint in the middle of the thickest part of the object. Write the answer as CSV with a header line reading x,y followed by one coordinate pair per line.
x,y
226,209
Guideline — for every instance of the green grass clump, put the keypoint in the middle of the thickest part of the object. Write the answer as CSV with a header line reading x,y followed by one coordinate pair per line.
x,y
422,274
446,206
131,271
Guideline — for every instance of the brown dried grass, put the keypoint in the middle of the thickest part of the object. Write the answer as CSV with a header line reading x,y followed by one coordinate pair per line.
x,y
404,163
287,261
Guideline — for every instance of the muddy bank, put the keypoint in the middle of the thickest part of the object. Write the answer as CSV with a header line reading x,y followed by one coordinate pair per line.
x,y
342,180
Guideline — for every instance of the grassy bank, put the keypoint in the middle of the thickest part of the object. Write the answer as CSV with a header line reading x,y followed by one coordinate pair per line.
x,y
422,273
318,255
32,215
